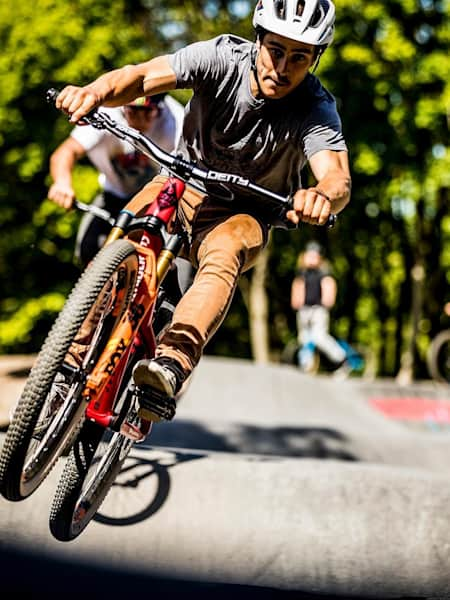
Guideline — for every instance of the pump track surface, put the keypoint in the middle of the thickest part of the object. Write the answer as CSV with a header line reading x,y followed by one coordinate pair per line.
x,y
269,483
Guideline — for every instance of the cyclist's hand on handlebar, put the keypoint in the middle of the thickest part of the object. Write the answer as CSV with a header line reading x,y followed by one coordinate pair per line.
x,y
309,206
62,194
77,102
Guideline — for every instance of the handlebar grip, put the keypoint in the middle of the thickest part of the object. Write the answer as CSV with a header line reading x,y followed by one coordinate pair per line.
x,y
331,221
91,118
96,211
51,95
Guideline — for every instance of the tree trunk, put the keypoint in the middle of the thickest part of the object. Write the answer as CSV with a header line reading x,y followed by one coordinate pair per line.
x,y
408,361
406,374
258,309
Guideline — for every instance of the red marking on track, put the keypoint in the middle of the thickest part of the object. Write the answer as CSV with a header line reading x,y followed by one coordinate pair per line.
x,y
413,409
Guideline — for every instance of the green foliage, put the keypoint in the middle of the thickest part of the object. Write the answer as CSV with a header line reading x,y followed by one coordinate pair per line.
x,y
46,43
29,322
389,70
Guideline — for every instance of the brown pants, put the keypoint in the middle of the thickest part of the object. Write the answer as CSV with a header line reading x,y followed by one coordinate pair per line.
x,y
225,243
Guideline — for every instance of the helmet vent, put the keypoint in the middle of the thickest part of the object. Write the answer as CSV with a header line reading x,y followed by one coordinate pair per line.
x,y
300,8
280,9
319,13
308,21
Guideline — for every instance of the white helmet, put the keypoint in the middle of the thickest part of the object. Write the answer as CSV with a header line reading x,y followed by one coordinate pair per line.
x,y
308,21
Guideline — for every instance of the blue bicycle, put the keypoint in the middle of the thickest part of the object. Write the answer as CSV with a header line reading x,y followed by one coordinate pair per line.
x,y
311,360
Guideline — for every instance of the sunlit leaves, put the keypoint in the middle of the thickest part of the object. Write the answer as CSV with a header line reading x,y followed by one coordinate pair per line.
x,y
46,43
354,53
367,160
16,331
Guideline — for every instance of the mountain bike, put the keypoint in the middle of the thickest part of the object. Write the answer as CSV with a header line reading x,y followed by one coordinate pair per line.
x,y
79,398
438,357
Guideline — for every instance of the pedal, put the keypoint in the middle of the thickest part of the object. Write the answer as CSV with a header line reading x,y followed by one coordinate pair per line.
x,y
134,432
134,427
154,405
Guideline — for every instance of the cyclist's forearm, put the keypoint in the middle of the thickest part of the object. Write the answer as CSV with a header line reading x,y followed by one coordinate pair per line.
x,y
328,291
118,87
62,163
337,186
127,83
332,172
297,293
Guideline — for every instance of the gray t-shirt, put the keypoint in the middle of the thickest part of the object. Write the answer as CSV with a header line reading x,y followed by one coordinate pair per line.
x,y
226,128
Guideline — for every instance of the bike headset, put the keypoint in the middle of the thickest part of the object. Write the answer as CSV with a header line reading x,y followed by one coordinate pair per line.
x,y
308,21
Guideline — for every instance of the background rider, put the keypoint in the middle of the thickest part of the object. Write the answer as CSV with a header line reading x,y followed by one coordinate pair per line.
x,y
313,295
122,170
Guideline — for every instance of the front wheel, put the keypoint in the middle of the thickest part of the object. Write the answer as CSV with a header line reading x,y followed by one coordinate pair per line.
x,y
438,357
51,408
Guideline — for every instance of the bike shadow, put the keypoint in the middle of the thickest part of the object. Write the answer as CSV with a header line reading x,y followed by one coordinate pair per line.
x,y
138,470
184,441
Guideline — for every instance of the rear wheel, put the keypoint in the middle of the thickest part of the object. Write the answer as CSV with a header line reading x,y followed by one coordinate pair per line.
x,y
51,408
438,358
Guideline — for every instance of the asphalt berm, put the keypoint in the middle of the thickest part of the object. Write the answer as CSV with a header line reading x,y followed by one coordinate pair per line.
x,y
268,483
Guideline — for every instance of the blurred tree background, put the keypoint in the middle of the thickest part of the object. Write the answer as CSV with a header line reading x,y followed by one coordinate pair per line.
x,y
389,69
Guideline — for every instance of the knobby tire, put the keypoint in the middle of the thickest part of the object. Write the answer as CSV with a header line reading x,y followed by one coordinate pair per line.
x,y
95,460
19,478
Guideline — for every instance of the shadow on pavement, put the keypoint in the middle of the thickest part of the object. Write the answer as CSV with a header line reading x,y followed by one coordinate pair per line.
x,y
133,473
298,442
26,573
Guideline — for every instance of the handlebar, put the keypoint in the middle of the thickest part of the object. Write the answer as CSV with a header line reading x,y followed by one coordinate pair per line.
x,y
175,164
96,211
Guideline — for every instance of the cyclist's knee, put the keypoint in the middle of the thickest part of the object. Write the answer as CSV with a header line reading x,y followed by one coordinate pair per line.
x,y
236,241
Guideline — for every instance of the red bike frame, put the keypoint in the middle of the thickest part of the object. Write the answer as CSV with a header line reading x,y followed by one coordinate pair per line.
x,y
134,330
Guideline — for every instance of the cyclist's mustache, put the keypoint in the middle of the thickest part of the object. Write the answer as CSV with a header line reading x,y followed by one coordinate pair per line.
x,y
279,80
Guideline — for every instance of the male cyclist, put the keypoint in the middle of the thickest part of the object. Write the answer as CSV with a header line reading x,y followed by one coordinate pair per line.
x,y
122,170
257,111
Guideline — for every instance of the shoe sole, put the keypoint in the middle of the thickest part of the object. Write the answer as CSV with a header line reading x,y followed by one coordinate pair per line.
x,y
151,376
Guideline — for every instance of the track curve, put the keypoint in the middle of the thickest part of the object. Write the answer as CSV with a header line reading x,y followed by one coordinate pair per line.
x,y
270,479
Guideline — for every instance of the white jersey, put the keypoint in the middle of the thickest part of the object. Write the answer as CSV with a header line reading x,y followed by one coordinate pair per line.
x,y
122,170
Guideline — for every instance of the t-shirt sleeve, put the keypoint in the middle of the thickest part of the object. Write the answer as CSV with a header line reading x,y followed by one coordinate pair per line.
x,y
323,130
87,136
200,63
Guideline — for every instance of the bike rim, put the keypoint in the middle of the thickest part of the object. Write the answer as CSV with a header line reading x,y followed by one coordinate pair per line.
x,y
112,450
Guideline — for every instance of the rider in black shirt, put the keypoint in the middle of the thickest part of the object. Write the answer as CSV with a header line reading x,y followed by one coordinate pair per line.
x,y
313,294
